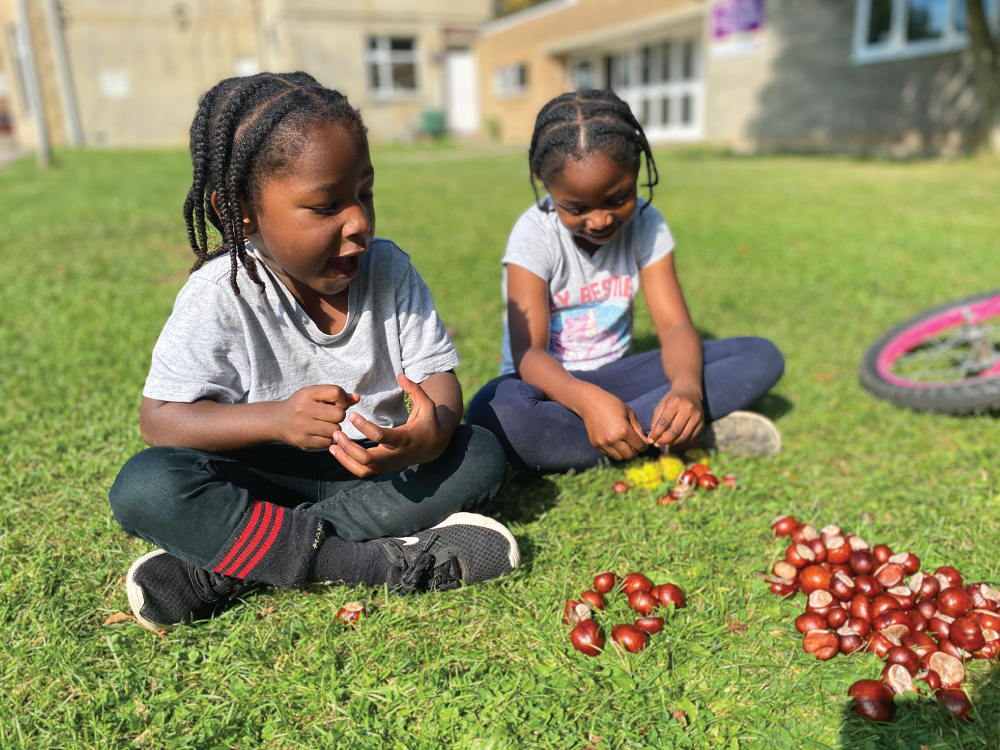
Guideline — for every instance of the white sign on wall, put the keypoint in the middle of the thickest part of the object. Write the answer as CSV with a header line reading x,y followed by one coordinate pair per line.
x,y
114,83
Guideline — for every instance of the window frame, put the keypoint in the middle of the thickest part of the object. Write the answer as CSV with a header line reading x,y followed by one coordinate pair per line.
x,y
897,46
502,88
625,66
385,58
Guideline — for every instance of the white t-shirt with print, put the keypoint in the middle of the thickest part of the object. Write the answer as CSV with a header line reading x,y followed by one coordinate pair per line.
x,y
590,297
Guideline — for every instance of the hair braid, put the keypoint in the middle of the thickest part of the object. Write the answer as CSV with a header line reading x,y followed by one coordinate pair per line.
x,y
245,130
579,123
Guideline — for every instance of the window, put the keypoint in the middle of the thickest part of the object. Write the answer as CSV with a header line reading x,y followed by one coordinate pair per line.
x,y
665,55
584,75
894,29
688,60
511,80
660,80
392,65
647,65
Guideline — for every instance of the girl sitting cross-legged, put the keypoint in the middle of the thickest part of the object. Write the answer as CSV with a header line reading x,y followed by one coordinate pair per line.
x,y
282,449
568,395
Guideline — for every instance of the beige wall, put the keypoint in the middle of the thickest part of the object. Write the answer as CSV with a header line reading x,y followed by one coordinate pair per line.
x,y
328,39
802,91
798,90
169,59
508,44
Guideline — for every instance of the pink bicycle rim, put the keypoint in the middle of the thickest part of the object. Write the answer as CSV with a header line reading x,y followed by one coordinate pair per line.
x,y
908,339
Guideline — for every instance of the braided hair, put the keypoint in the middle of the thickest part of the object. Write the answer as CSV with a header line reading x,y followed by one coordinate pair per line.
x,y
247,129
583,122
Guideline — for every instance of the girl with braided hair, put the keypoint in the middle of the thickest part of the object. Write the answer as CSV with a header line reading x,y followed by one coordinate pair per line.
x,y
282,450
568,395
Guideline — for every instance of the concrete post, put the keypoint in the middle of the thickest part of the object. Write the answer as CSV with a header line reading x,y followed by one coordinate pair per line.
x,y
74,132
26,55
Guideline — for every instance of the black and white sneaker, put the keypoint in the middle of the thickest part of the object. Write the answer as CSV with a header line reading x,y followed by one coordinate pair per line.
x,y
164,591
463,548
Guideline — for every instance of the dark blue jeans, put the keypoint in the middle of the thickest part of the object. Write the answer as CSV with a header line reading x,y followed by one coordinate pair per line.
x,y
543,434
188,502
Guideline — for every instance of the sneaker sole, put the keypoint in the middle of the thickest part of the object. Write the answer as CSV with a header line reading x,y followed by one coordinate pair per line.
x,y
745,433
136,597
474,519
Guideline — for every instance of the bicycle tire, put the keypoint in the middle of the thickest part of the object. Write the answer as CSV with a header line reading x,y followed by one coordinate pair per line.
x,y
962,398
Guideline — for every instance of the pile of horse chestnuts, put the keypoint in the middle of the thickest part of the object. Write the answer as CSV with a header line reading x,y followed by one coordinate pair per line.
x,y
924,626
643,597
699,475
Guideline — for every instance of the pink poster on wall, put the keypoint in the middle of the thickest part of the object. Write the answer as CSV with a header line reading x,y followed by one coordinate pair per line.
x,y
736,27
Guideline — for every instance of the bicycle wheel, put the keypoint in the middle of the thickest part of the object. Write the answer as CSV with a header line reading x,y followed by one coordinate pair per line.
x,y
944,360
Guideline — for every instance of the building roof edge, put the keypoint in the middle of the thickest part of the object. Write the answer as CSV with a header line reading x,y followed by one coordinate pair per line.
x,y
527,15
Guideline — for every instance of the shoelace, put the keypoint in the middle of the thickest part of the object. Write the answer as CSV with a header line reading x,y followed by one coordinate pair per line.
x,y
212,586
412,573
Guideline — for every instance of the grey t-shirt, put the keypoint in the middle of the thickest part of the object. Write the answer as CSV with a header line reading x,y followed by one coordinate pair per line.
x,y
264,347
590,297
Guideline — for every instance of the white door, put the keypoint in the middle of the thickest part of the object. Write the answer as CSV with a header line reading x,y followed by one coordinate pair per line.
x,y
461,91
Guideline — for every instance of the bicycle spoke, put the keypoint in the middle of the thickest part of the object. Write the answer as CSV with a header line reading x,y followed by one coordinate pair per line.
x,y
955,355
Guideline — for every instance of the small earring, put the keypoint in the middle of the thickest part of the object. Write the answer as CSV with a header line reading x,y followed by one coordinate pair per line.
x,y
246,221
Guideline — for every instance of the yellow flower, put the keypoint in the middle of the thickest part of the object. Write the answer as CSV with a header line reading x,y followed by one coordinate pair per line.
x,y
647,475
671,466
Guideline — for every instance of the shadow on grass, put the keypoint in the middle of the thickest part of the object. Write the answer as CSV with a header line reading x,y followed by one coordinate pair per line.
x,y
772,405
525,498
922,723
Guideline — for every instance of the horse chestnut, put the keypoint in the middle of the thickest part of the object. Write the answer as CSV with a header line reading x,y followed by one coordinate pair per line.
x,y
955,701
586,638
783,525
605,582
671,594
873,700
814,578
629,637
636,582
642,602
954,602
595,600
966,634
351,613
822,644
576,612
651,625
951,575
708,481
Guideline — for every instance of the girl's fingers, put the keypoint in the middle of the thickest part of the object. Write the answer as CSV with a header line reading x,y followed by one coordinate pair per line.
x,y
670,424
351,449
380,435
611,452
357,469
640,434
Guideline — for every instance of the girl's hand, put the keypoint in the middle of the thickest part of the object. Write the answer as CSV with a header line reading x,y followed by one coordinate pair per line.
x,y
310,416
678,418
613,428
420,440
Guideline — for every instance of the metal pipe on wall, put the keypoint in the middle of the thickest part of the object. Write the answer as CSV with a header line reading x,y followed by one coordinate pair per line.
x,y
64,78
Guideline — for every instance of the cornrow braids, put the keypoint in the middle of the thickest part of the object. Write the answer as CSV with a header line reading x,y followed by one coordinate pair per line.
x,y
583,122
247,129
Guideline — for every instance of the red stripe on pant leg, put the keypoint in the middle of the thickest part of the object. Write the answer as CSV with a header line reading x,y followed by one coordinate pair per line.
x,y
266,546
244,537
248,549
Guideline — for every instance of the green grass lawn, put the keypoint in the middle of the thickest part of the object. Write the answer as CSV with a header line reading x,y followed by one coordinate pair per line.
x,y
819,255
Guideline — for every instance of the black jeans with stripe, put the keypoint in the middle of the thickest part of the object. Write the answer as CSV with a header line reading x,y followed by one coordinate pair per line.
x,y
189,502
